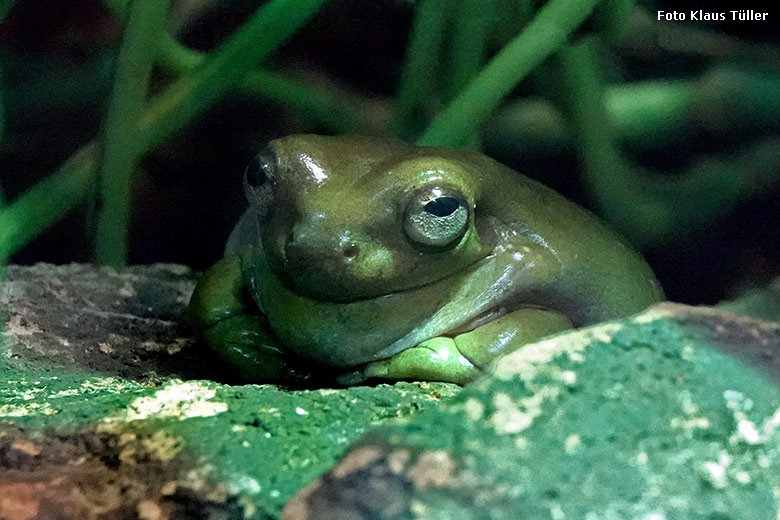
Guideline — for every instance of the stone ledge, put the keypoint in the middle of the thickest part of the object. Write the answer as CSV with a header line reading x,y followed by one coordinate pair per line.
x,y
108,408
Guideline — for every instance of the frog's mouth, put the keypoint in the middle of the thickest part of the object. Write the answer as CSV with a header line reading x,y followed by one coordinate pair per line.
x,y
330,281
344,297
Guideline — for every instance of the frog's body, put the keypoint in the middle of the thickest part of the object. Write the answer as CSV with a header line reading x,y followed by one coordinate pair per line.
x,y
383,259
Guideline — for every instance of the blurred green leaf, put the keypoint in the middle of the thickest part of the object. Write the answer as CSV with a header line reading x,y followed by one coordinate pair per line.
x,y
5,8
545,34
647,207
420,73
310,101
51,199
268,28
120,144
2,125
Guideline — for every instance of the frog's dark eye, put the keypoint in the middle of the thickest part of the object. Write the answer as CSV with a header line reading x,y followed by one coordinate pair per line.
x,y
258,181
259,170
443,206
436,218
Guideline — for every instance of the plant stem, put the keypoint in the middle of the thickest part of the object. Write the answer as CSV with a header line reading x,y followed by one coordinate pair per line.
x,y
645,116
651,112
268,28
2,126
316,103
511,17
469,40
51,199
649,208
5,7
543,36
611,18
468,47
608,174
420,71
119,144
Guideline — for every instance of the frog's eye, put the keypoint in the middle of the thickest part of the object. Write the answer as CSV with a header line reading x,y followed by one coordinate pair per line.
x,y
436,218
258,178
259,170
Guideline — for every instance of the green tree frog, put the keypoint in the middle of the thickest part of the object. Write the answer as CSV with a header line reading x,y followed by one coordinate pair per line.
x,y
363,258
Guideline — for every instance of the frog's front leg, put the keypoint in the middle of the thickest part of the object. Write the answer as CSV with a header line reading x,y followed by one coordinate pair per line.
x,y
223,314
463,358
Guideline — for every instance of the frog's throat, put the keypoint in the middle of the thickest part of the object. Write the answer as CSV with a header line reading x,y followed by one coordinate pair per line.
x,y
473,298
502,279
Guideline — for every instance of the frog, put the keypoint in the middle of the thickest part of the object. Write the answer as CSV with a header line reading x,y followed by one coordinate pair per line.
x,y
364,258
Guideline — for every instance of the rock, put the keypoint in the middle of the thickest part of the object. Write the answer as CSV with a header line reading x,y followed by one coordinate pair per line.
x,y
646,418
108,409
126,324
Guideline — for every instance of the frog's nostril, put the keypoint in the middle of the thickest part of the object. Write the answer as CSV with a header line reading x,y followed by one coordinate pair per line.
x,y
350,252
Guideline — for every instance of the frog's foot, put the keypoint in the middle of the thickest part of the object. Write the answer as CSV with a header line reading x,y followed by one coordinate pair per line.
x,y
463,358
244,344
436,359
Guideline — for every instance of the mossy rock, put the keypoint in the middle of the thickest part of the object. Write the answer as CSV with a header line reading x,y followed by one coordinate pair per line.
x,y
109,410
645,418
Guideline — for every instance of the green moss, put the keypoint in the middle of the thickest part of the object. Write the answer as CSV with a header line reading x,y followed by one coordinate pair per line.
x,y
262,442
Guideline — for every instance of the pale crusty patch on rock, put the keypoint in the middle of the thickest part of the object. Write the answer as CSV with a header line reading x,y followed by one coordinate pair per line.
x,y
432,469
26,446
474,409
178,399
525,362
510,415
398,459
355,460
150,510
18,326
161,445
164,445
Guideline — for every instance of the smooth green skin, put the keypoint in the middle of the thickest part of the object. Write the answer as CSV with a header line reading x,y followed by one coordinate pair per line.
x,y
321,277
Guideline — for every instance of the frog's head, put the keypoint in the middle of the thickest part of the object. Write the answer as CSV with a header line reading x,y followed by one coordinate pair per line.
x,y
351,218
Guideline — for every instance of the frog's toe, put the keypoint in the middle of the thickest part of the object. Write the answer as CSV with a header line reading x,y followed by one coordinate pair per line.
x,y
436,359
248,349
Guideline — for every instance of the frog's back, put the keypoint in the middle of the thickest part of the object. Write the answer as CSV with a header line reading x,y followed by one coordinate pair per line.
x,y
600,276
